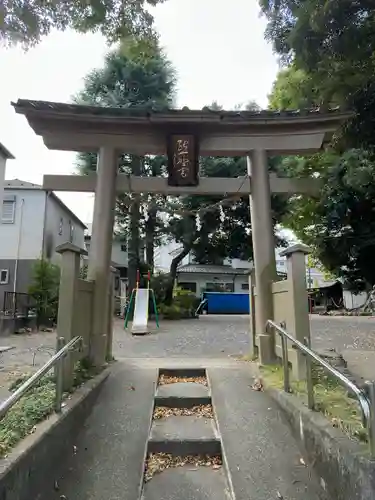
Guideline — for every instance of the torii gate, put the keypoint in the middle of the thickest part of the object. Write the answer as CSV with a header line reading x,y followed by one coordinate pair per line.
x,y
109,131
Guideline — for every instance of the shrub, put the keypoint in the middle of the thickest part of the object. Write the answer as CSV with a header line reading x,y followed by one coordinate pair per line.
x,y
44,289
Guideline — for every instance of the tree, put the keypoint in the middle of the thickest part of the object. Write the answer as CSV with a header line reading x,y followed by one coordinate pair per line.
x,y
224,226
319,78
135,74
27,21
340,224
44,289
333,44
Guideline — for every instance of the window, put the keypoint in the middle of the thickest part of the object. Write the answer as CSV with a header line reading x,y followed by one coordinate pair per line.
x,y
4,277
244,286
219,287
192,287
9,209
123,248
61,225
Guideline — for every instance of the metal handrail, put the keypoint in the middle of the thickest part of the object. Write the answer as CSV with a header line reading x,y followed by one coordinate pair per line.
x,y
366,398
57,359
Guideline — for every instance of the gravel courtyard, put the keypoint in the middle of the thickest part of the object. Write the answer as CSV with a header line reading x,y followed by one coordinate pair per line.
x,y
208,337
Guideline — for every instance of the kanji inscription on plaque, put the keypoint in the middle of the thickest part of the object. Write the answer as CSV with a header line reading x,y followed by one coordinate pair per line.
x,y
182,160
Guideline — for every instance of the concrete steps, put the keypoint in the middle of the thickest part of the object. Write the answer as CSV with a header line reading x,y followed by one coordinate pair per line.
x,y
185,437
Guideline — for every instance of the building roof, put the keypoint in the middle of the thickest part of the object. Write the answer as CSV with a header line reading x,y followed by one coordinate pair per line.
x,y
6,153
30,186
211,269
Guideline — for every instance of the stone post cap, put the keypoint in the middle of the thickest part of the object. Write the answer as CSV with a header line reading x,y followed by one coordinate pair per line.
x,y
69,247
299,247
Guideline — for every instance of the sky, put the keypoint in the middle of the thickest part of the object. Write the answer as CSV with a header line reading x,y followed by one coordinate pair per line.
x,y
217,48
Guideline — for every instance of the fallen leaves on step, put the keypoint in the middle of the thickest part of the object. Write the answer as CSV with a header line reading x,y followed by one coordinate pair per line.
x,y
257,385
167,379
159,462
205,411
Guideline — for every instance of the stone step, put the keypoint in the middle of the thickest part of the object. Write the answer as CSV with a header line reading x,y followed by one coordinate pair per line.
x,y
182,372
187,483
184,435
182,395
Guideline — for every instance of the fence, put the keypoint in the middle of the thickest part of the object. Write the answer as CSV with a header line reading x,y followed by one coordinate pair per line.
x,y
17,304
366,398
56,361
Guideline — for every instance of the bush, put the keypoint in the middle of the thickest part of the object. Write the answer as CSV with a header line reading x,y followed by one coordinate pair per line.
x,y
171,312
159,284
44,289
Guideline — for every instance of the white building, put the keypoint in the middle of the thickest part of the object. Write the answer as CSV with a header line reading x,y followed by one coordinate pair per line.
x,y
33,223
4,156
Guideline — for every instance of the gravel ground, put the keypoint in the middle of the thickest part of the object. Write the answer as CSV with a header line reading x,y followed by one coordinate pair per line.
x,y
207,337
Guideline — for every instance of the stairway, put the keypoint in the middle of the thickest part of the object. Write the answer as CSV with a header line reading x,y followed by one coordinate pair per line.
x,y
184,458
175,429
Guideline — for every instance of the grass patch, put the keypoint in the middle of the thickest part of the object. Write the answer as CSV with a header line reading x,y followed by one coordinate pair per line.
x,y
331,399
35,406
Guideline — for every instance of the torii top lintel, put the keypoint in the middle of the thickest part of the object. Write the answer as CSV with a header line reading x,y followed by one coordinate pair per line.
x,y
141,130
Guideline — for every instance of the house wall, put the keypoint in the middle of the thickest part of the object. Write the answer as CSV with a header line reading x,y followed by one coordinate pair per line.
x,y
58,222
164,254
28,226
352,301
119,256
201,279
2,179
38,211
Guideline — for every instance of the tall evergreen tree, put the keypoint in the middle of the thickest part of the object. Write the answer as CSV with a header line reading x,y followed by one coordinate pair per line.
x,y
136,74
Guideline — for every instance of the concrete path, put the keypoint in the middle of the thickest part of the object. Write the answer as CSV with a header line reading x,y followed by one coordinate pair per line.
x,y
262,460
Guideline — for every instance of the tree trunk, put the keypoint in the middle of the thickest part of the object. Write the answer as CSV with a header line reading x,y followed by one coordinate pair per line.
x,y
134,240
150,238
173,273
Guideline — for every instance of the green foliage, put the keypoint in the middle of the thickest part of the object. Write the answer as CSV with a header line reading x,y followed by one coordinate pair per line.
x,y
83,272
26,22
20,420
217,240
333,44
159,284
330,49
135,74
37,404
339,225
84,370
44,289
330,398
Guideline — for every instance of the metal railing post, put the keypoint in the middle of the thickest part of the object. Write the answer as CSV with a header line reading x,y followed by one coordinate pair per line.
x,y
366,399
309,378
59,376
370,387
284,348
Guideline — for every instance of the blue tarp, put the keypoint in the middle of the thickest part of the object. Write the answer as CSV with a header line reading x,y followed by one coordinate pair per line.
x,y
227,303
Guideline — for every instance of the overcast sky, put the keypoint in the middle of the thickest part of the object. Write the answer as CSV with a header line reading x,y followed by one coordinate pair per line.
x,y
216,47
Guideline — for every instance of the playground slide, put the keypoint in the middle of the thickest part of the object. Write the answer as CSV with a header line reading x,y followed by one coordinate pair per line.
x,y
140,318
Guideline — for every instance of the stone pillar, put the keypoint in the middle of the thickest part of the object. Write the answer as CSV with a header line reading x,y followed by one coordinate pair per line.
x,y
253,346
299,323
67,312
101,249
263,248
111,311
